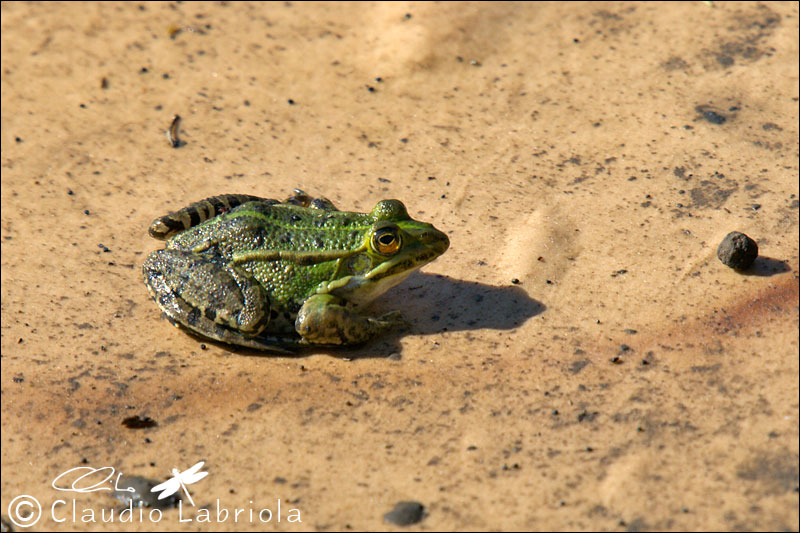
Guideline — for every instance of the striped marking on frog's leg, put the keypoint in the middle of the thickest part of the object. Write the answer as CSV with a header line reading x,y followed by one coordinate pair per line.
x,y
192,215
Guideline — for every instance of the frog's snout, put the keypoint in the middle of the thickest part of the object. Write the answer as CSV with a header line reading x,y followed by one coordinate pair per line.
x,y
435,240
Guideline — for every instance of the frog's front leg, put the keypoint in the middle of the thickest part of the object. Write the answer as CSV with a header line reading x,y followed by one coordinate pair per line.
x,y
199,292
323,319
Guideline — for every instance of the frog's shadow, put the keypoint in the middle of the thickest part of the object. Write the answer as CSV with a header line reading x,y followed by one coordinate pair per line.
x,y
432,304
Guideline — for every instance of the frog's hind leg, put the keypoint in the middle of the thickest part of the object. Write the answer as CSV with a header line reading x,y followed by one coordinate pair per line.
x,y
198,293
195,214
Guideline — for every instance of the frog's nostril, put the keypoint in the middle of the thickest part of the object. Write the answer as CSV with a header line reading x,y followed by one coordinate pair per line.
x,y
436,238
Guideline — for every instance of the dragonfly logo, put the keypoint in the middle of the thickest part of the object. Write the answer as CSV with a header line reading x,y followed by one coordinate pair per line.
x,y
179,481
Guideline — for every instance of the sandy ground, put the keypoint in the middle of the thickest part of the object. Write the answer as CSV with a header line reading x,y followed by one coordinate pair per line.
x,y
596,153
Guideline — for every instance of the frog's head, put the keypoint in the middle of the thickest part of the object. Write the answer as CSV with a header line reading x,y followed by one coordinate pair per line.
x,y
393,247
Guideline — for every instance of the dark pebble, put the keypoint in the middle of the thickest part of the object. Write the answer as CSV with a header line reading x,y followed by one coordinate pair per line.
x,y
714,117
142,495
405,514
737,250
138,422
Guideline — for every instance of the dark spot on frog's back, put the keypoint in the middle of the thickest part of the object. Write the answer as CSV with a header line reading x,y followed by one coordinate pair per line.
x,y
257,239
263,207
285,238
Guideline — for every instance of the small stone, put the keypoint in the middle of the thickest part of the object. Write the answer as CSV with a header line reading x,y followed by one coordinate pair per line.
x,y
142,494
405,514
737,250
714,117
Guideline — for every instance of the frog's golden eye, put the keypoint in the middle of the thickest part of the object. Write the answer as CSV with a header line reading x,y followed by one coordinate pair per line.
x,y
386,241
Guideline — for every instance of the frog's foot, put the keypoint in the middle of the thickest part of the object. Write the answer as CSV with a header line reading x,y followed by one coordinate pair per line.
x,y
323,320
197,293
304,200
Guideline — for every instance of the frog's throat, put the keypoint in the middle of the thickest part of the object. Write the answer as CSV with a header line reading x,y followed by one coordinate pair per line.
x,y
356,291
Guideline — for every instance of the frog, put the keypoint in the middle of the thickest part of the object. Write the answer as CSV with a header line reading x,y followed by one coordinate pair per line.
x,y
277,275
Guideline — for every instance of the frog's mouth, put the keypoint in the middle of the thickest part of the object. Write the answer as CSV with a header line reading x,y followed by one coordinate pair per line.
x,y
428,243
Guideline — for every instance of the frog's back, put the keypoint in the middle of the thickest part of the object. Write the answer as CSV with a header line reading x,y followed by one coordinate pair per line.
x,y
264,226
289,249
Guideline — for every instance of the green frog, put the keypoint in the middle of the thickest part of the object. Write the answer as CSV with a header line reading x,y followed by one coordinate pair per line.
x,y
273,275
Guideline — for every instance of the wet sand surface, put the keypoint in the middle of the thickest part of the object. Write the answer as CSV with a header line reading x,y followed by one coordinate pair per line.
x,y
579,358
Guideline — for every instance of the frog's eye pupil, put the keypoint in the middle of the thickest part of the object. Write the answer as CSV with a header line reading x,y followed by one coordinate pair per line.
x,y
386,241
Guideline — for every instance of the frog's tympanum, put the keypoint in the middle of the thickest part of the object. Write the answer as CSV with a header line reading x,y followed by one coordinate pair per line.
x,y
270,275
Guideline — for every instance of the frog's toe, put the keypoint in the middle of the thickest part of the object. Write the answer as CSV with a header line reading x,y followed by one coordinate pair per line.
x,y
298,197
392,319
322,203
303,199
